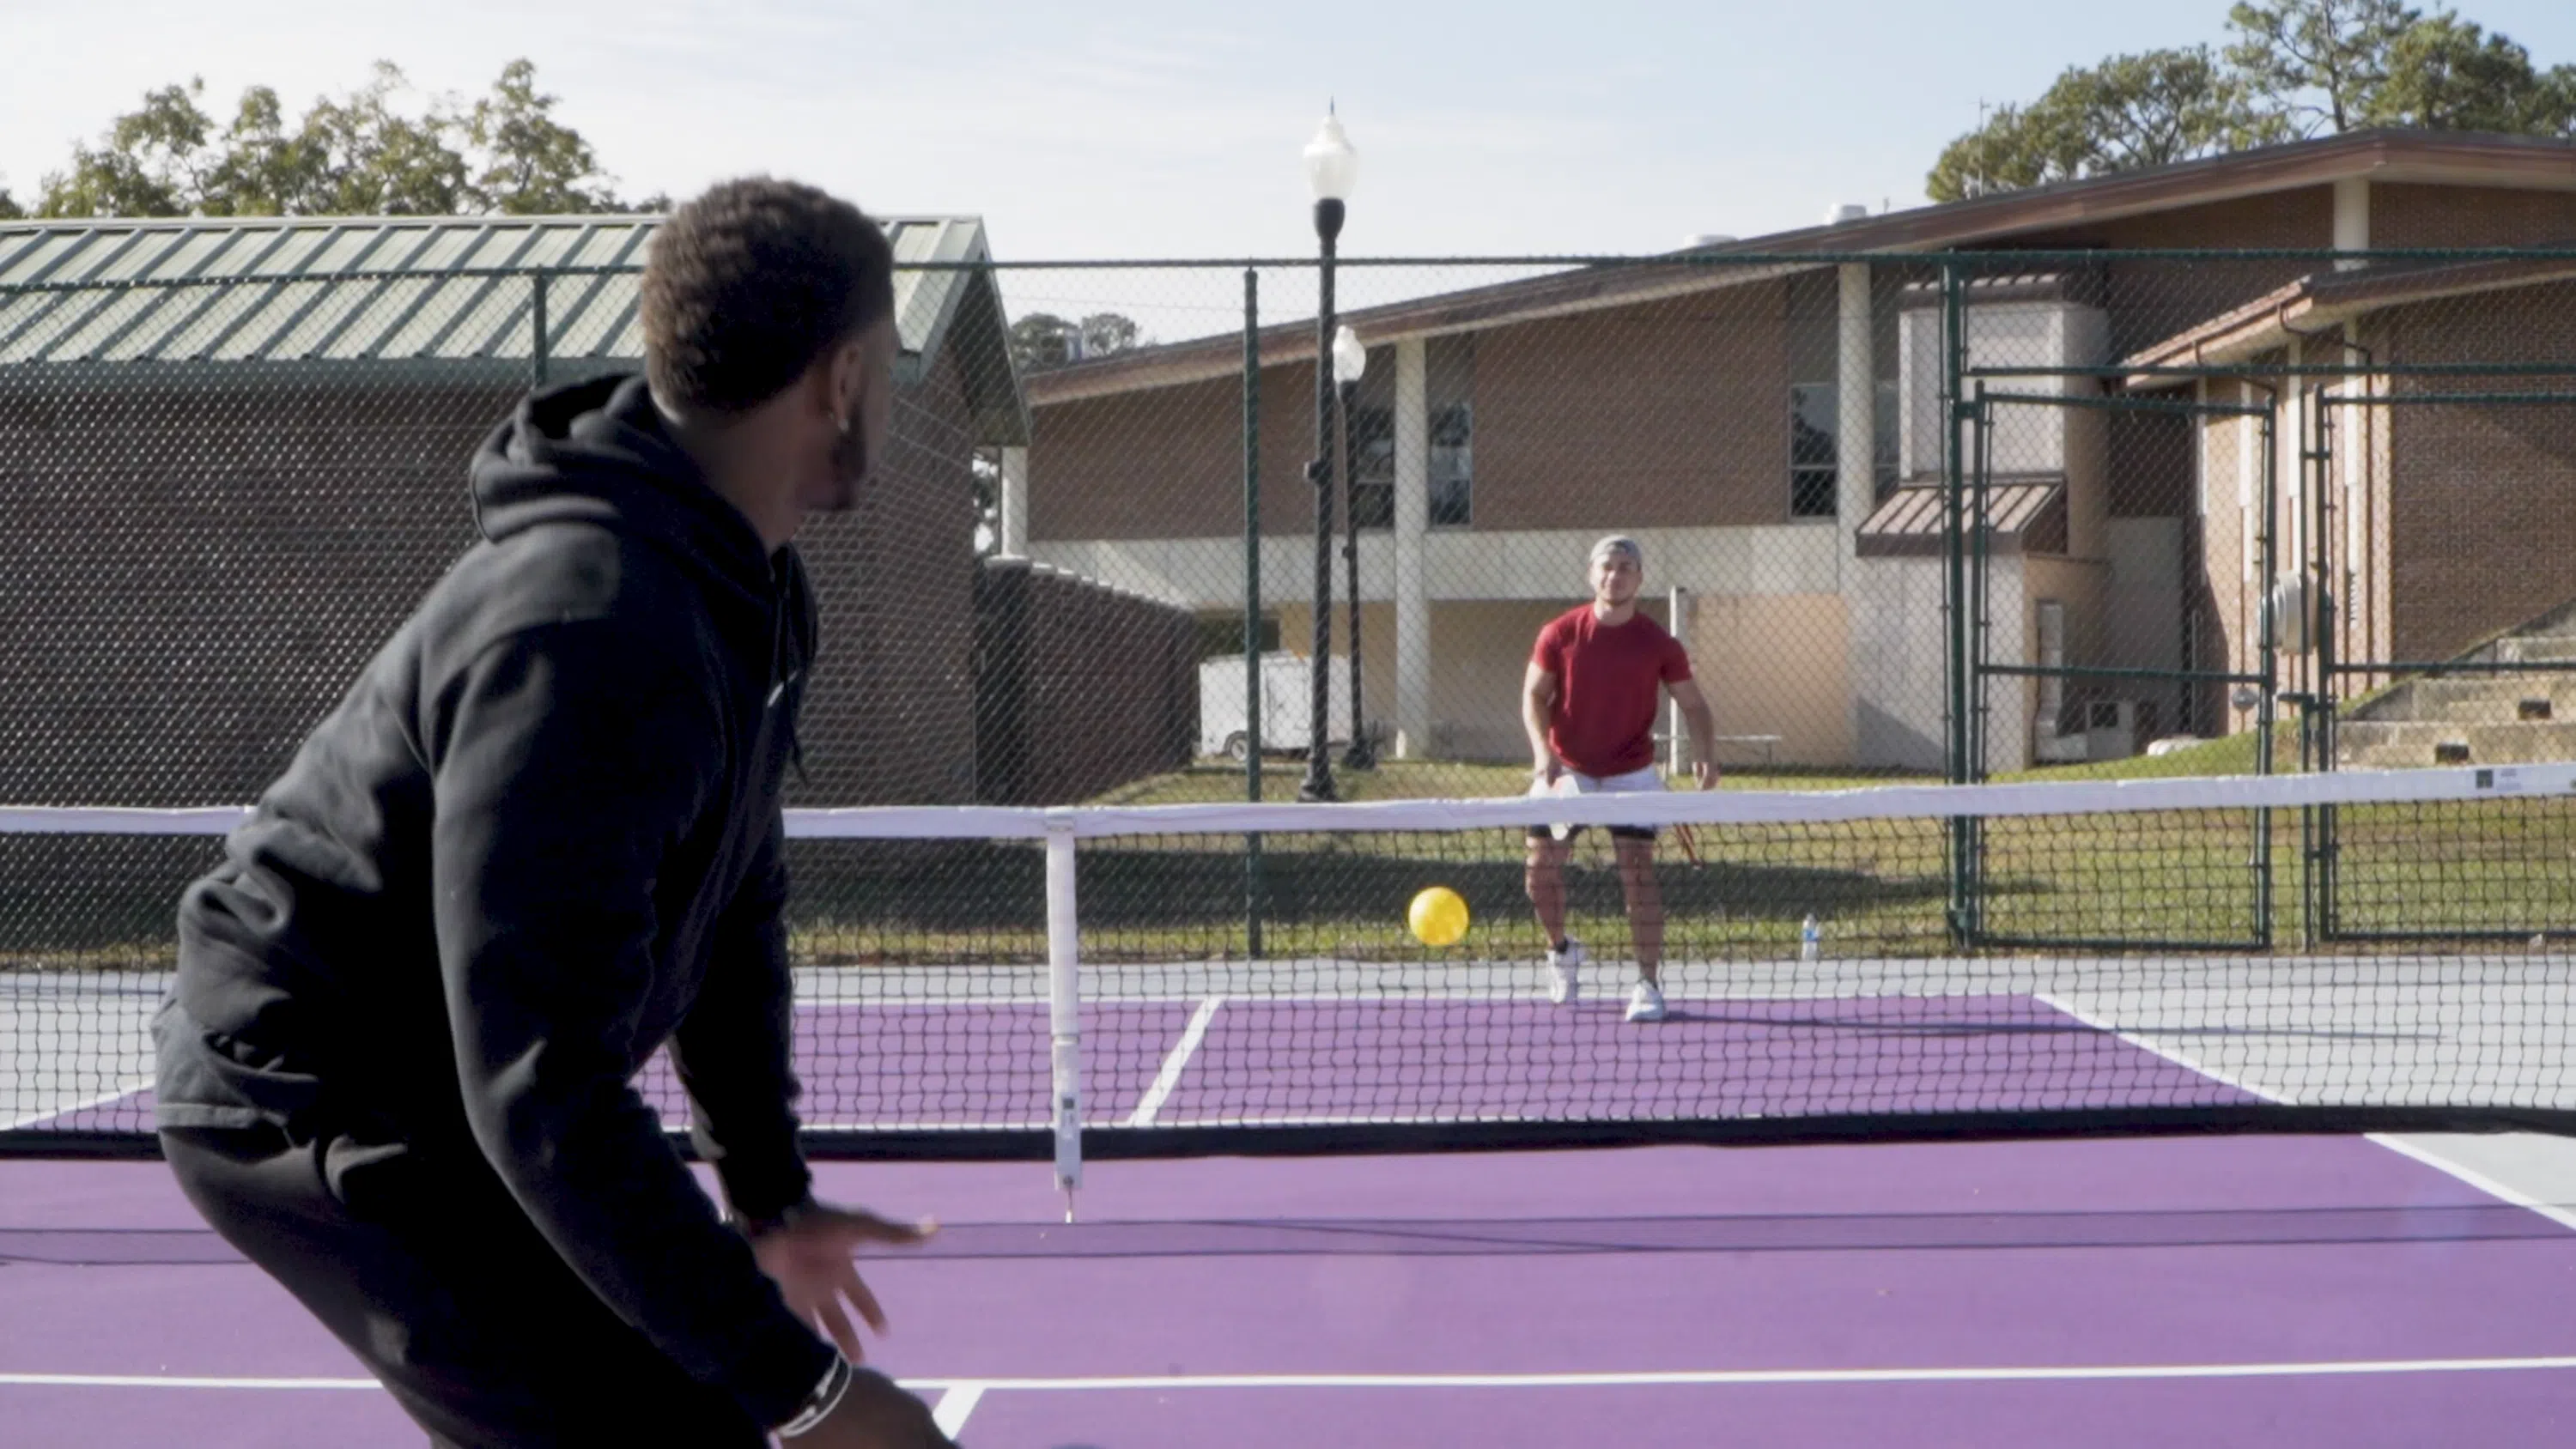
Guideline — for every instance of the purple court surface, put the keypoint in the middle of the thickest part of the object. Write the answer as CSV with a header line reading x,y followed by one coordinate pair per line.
x,y
2209,1291
2203,1292
1306,1060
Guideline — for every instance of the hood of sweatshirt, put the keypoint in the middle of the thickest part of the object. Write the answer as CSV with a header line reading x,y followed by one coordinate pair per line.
x,y
599,452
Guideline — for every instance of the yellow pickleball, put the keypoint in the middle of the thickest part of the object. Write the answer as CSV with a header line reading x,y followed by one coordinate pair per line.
x,y
1438,917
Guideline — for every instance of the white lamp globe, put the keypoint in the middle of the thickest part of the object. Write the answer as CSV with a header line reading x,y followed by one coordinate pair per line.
x,y
1350,359
1332,165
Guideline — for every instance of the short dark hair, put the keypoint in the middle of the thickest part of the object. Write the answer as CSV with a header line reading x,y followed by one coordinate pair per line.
x,y
752,283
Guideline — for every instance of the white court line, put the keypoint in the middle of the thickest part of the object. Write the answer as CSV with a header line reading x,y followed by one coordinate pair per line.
x,y
955,1406
171,1381
100,1100
2002,1373
1174,1063
2181,1059
2564,1217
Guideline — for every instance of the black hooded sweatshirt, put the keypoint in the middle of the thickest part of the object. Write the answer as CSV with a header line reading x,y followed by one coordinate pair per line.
x,y
539,839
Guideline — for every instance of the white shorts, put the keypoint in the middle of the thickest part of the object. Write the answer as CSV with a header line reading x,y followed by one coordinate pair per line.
x,y
1577,783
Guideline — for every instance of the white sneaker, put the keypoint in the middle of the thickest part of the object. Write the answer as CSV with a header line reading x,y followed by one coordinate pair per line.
x,y
1565,972
1646,1003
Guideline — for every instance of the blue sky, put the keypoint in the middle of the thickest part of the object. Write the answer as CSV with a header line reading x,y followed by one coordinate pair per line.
x,y
1124,128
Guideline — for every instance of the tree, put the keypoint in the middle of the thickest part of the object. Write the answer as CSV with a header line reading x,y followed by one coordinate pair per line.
x,y
2318,61
264,171
2295,68
1107,332
363,157
151,162
1043,340
2131,111
2448,74
9,208
362,154
531,165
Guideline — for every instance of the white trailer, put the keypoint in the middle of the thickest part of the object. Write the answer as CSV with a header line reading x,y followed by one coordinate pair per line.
x,y
1286,704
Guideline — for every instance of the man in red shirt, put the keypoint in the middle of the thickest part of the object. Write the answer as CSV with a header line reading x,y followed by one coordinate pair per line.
x,y
1588,701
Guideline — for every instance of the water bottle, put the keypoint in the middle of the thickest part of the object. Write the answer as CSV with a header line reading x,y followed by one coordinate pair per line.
x,y
1811,940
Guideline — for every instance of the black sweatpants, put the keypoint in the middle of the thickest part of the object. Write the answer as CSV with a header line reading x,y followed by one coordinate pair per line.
x,y
446,1292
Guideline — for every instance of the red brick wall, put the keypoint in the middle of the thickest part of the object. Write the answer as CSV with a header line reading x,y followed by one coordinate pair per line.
x,y
2150,301
2482,504
1677,410
1168,462
2461,216
196,573
890,711
1666,414
1080,688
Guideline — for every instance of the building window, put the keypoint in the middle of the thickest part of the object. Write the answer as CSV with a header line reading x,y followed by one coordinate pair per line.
x,y
1451,466
1815,434
1812,473
1373,467
1453,455
1884,437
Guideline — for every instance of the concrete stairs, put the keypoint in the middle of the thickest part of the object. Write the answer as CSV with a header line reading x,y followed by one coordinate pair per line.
x,y
2480,719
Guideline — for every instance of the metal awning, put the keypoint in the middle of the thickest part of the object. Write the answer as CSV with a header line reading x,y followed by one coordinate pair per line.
x,y
166,297
2025,515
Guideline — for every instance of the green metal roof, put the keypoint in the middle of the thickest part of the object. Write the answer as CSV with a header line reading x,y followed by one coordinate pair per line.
x,y
451,290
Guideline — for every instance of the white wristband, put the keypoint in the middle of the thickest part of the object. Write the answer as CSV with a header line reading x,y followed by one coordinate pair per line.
x,y
820,1403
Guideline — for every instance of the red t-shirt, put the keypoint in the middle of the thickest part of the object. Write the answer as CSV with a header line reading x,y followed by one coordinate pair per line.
x,y
1607,681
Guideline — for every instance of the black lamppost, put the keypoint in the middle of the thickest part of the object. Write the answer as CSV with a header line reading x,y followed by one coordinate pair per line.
x,y
1350,362
1332,170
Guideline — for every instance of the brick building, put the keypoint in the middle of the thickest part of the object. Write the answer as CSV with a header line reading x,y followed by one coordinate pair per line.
x,y
2438,509
234,457
1774,432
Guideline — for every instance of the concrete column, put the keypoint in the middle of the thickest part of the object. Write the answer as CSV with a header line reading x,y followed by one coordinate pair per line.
x,y
1412,518
1856,412
1014,511
2351,218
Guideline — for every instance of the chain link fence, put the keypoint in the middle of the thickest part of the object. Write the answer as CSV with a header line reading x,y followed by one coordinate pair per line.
x,y
1955,516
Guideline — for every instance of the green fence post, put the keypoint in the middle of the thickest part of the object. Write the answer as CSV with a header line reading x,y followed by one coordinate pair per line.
x,y
2268,582
1954,347
537,330
1252,599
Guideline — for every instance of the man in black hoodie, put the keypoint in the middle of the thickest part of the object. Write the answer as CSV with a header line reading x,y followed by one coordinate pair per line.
x,y
539,839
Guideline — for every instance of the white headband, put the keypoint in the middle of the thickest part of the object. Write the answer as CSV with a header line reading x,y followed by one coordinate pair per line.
x,y
1619,543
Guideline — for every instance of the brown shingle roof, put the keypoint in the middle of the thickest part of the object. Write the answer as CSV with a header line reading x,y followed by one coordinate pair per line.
x,y
2327,299
2447,158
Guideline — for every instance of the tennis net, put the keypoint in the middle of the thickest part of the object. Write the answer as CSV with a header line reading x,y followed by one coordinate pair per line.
x,y
2247,953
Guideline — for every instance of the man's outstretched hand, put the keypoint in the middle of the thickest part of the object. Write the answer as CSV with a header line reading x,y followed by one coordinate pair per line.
x,y
809,1257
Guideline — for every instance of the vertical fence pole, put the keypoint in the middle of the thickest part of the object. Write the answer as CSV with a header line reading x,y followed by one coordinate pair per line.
x,y
1981,462
1064,1004
1954,596
2268,586
2329,610
1253,704
537,329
